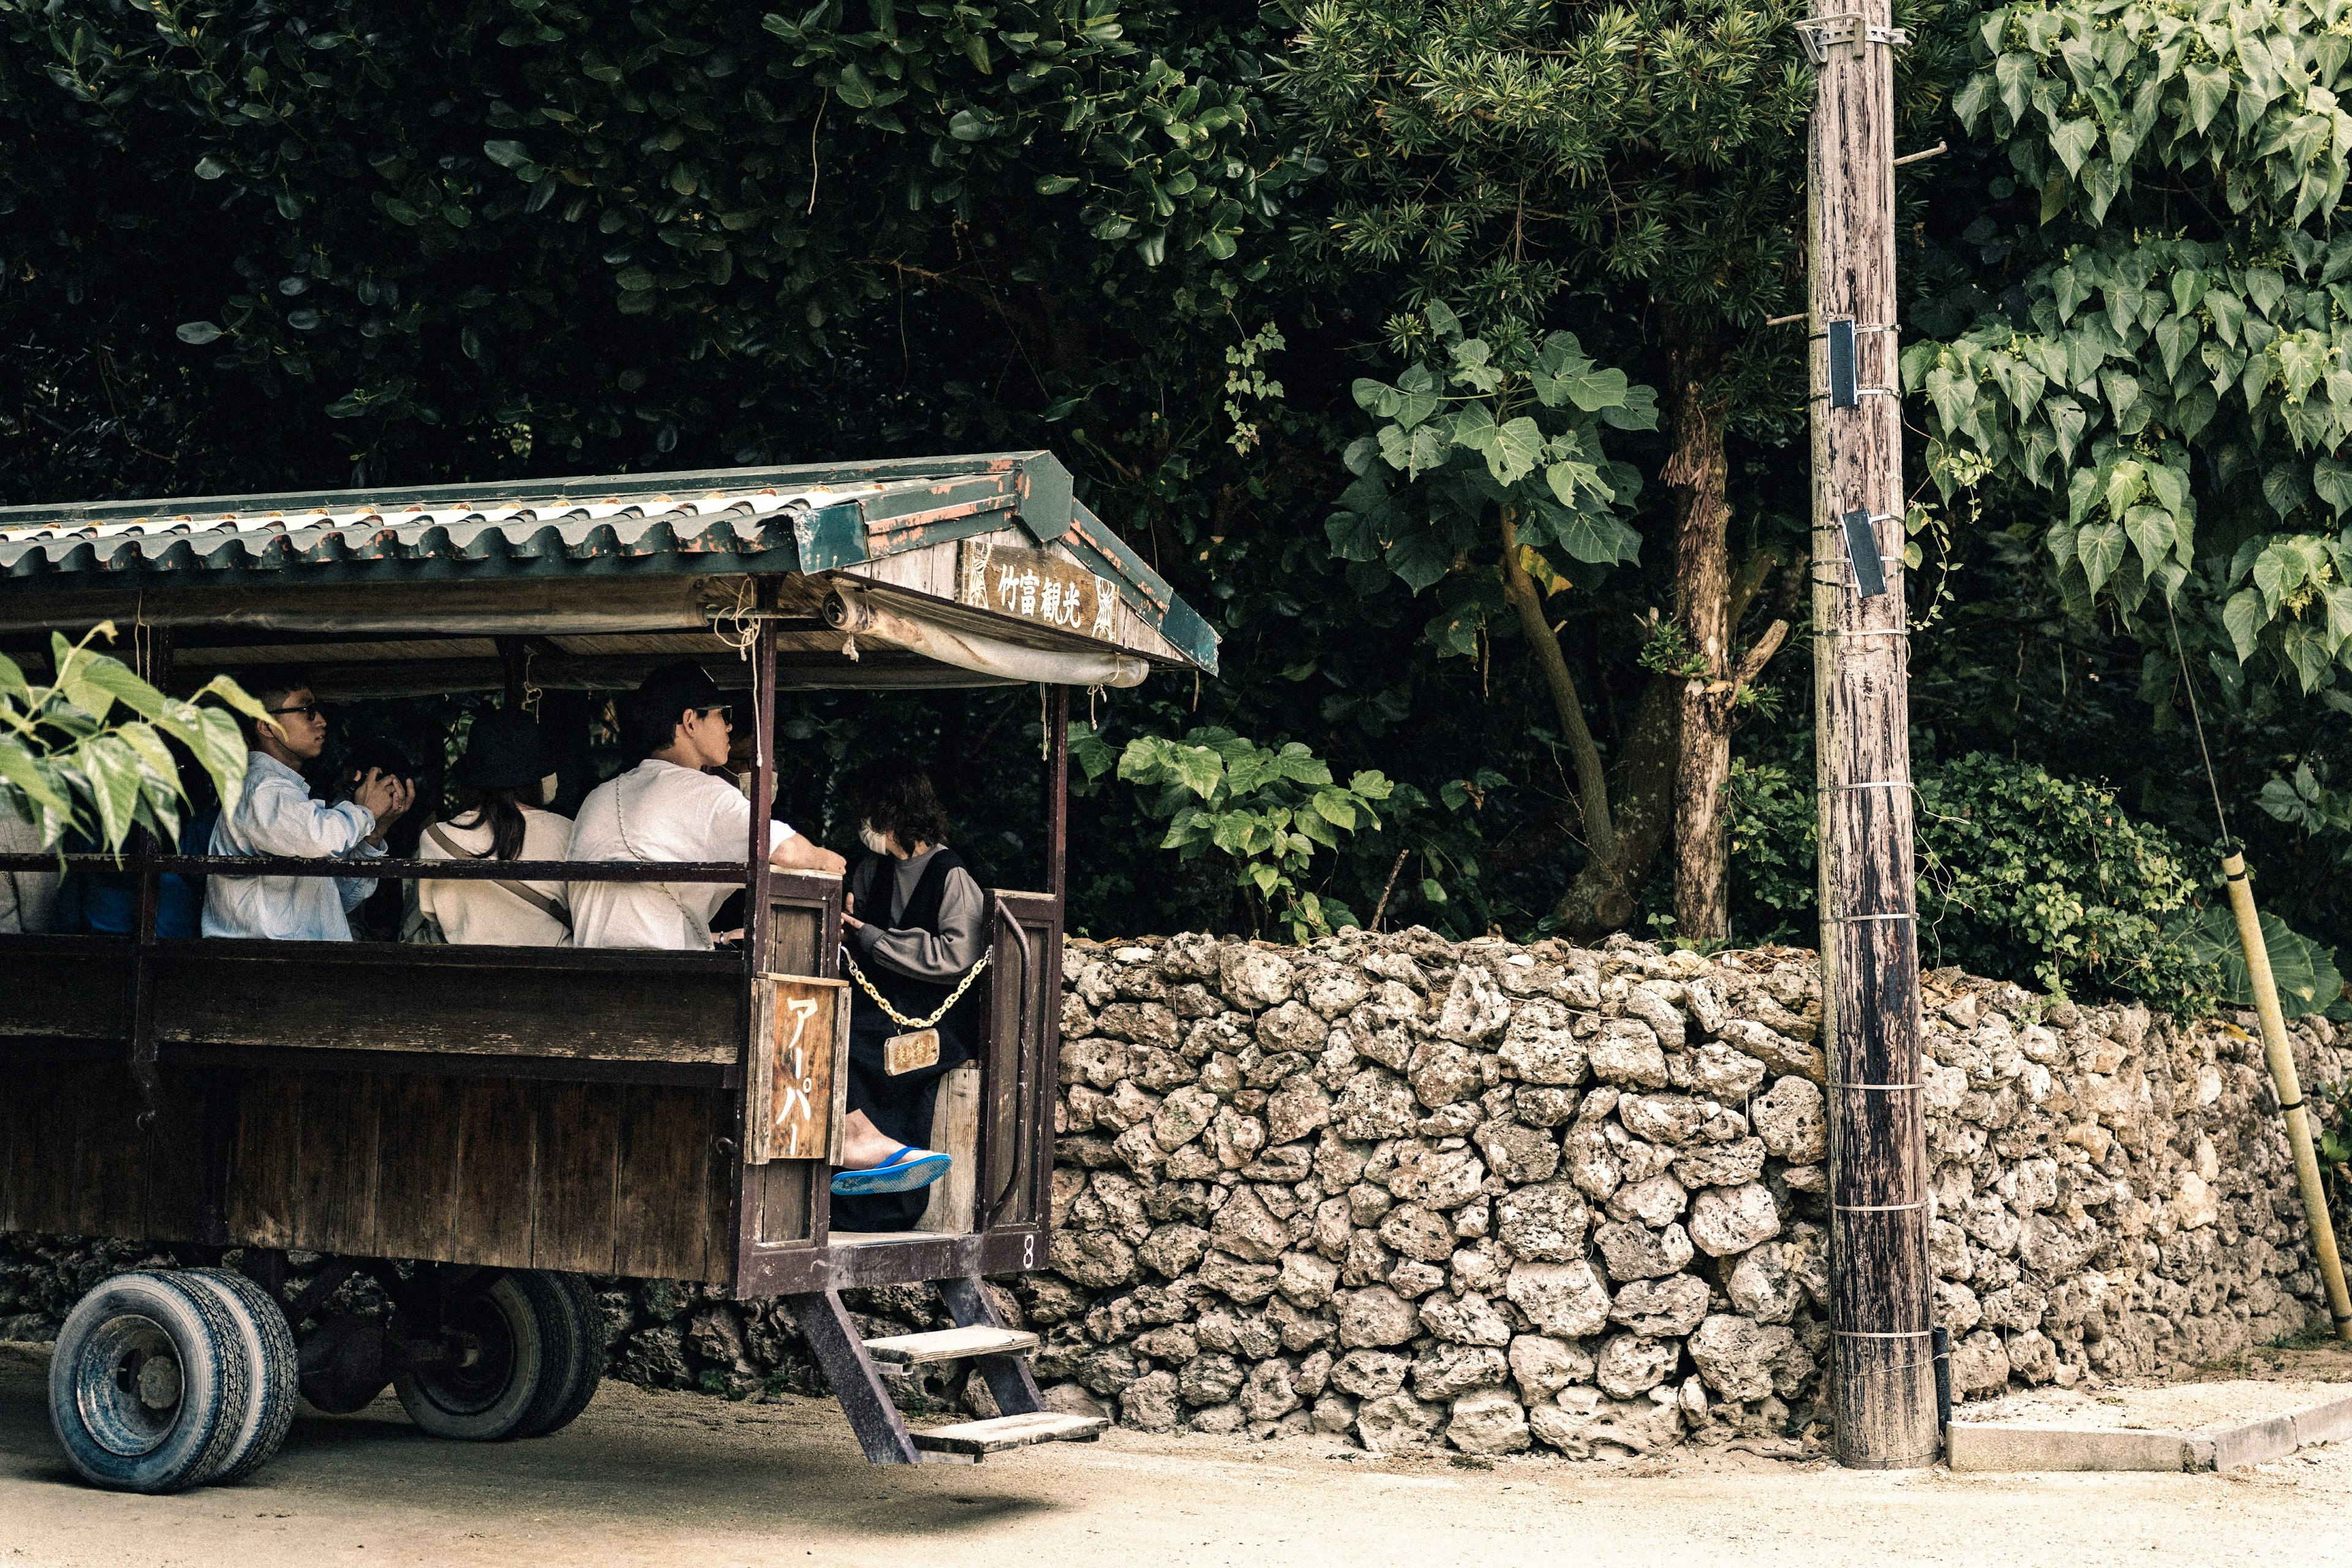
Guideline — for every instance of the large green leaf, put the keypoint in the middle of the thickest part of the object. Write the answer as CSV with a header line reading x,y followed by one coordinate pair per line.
x,y
2099,546
1596,538
2304,972
1517,447
2243,619
1419,558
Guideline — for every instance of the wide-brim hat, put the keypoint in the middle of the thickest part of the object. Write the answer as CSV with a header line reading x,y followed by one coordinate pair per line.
x,y
505,750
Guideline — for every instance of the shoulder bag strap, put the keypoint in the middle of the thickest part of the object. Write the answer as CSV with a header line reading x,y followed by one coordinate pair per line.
x,y
535,899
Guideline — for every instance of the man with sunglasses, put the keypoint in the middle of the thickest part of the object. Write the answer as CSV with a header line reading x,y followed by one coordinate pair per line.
x,y
276,815
668,808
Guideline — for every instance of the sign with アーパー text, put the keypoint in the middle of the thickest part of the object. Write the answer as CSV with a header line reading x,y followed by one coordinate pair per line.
x,y
1038,585
798,1056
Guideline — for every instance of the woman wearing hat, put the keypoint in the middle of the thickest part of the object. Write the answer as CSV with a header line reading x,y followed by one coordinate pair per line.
x,y
503,780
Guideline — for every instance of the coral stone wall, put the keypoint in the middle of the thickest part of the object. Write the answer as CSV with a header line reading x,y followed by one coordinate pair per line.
x,y
1498,1197
1494,1197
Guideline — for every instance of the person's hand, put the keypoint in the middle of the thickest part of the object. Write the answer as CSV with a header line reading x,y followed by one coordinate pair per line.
x,y
798,854
384,796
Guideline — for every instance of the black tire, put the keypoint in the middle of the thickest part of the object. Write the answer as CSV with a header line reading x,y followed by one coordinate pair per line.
x,y
148,1387
274,1383
522,1326
563,1397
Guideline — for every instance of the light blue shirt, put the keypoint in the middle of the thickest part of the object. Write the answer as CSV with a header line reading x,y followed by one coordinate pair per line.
x,y
276,815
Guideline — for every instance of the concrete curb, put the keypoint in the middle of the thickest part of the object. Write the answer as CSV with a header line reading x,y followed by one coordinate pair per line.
x,y
1985,1447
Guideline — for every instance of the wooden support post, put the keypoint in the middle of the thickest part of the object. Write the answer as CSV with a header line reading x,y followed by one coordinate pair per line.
x,y
1882,1371
835,1339
758,918
514,663
1058,796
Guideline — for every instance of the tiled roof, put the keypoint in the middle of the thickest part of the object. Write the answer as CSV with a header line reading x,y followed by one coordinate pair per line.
x,y
718,522
263,540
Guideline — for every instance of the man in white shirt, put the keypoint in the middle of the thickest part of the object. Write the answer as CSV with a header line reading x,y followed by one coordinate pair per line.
x,y
276,816
667,808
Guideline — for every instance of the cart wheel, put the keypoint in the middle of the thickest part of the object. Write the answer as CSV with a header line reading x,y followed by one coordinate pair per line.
x,y
516,1342
574,1375
148,1387
275,1375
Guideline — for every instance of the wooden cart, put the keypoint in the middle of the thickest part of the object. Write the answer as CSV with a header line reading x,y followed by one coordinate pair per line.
x,y
478,1128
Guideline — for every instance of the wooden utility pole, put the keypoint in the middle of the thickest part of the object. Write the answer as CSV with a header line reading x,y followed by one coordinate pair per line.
x,y
1882,1371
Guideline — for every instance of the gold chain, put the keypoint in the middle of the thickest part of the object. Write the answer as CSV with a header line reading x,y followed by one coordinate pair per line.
x,y
901,1019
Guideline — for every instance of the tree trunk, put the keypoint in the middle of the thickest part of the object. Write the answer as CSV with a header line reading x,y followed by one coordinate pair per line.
x,y
1702,606
1520,593
1605,897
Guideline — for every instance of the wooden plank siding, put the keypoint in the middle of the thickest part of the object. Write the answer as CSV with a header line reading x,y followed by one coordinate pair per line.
x,y
586,1178
74,1162
495,1168
484,1002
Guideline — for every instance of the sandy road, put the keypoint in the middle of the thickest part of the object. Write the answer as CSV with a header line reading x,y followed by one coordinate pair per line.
x,y
680,1479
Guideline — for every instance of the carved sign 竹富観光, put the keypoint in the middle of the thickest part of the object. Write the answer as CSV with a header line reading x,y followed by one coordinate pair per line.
x,y
1038,585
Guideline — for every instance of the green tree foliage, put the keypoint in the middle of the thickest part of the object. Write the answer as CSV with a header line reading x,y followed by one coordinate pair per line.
x,y
513,227
1502,154
1632,173
69,765
1472,451
2186,302
1267,810
507,238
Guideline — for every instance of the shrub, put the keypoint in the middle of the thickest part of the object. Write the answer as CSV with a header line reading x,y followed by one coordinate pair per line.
x,y
1774,853
2021,872
1267,811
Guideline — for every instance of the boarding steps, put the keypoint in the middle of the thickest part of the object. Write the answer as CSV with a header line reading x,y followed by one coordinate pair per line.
x,y
853,1366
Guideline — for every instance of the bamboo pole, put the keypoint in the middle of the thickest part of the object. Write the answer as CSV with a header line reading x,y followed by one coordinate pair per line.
x,y
2290,1090
1881,1365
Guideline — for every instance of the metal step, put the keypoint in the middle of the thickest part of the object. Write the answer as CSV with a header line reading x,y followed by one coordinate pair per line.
x,y
993,1436
951,1344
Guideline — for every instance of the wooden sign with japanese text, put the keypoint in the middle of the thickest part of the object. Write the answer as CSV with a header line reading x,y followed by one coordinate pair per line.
x,y
1038,585
799,1070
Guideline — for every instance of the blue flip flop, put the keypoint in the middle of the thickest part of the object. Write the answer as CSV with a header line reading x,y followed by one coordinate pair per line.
x,y
903,1172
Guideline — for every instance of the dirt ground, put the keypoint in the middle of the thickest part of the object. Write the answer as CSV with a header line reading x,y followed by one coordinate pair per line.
x,y
681,1480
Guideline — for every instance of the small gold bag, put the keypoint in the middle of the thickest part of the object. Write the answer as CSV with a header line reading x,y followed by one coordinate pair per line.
x,y
910,1053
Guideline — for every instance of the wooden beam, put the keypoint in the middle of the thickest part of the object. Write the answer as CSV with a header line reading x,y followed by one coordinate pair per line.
x,y
1882,1378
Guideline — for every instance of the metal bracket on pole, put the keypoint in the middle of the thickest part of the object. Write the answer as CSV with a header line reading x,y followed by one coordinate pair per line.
x,y
1820,33
1861,551
1840,332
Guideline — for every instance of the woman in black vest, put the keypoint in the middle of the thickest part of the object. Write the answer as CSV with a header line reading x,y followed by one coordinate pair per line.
x,y
915,925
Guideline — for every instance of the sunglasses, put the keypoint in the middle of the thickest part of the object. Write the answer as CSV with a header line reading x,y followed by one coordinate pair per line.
x,y
307,710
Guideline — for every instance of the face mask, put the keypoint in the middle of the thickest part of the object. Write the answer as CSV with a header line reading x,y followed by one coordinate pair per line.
x,y
546,790
875,841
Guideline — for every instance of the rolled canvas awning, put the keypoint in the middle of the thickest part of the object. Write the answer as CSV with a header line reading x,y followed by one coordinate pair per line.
x,y
857,615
